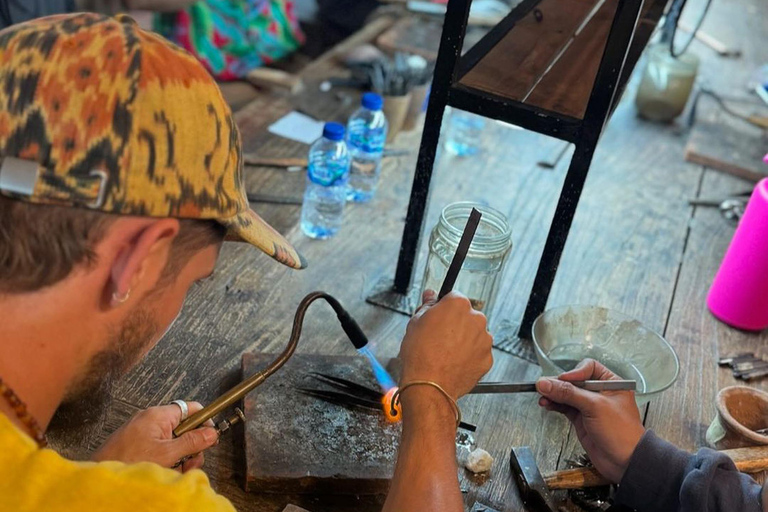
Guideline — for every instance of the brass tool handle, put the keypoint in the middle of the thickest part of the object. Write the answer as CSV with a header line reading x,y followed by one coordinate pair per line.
x,y
227,399
236,394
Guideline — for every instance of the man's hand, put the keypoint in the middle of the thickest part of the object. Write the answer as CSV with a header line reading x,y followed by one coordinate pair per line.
x,y
608,424
446,342
148,437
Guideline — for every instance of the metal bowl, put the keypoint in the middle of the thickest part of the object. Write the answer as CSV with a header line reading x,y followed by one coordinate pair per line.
x,y
565,335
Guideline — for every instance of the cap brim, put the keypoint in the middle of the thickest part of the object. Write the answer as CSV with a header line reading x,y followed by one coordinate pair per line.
x,y
249,227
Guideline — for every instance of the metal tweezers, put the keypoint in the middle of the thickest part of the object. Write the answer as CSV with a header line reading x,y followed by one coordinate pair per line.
x,y
353,395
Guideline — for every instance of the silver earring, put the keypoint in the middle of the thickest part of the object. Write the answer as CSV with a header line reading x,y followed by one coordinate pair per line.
x,y
119,299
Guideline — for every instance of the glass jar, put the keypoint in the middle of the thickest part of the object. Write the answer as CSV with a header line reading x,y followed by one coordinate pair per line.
x,y
482,269
666,84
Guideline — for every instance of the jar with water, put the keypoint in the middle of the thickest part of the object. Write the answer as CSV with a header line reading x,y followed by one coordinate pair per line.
x,y
666,84
482,270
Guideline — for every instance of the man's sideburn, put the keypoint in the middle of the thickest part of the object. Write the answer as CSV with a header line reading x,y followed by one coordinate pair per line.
x,y
87,400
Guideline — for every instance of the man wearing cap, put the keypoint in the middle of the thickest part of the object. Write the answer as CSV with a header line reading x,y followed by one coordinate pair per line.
x,y
120,177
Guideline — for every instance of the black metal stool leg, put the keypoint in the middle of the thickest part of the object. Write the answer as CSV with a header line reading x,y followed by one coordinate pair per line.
x,y
398,294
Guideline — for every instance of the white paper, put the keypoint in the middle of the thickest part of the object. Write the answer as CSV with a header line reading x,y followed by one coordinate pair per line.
x,y
297,126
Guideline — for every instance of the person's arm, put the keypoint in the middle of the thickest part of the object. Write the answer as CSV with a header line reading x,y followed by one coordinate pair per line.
x,y
660,476
653,475
446,343
426,476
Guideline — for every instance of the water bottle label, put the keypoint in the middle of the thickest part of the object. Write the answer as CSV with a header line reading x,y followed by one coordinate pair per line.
x,y
370,141
328,177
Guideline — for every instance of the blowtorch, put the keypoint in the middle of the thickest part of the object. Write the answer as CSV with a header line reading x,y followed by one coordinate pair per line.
x,y
228,399
353,331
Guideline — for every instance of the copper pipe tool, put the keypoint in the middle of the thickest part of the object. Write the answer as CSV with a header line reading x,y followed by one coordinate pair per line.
x,y
234,395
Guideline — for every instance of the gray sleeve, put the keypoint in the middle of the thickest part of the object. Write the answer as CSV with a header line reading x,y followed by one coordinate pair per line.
x,y
662,478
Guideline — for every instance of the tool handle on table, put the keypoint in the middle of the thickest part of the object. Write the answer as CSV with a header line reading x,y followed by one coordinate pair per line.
x,y
579,478
275,79
748,460
752,459
250,159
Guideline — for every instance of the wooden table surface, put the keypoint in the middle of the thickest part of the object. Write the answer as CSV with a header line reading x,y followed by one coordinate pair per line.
x,y
635,246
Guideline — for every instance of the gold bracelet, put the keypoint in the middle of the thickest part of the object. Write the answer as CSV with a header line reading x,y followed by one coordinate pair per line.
x,y
456,410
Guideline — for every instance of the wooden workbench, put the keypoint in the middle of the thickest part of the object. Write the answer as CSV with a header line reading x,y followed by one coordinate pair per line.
x,y
635,246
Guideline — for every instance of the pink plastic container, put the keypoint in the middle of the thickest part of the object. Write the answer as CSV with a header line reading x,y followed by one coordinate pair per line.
x,y
739,295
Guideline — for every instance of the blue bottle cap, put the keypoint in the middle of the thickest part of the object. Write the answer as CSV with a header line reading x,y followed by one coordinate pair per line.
x,y
333,131
372,101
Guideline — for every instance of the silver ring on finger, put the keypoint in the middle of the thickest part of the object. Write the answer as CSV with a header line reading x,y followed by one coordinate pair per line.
x,y
184,408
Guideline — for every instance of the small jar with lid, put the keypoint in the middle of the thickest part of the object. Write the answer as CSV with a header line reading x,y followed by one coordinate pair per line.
x,y
482,270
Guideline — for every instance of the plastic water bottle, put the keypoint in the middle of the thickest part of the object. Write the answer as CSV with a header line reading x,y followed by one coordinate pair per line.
x,y
366,135
464,133
327,179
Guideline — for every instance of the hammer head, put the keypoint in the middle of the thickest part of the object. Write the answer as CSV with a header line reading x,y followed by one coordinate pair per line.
x,y
530,481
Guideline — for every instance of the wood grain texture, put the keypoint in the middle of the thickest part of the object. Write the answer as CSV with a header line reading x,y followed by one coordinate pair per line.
x,y
578,478
567,86
730,146
516,64
421,36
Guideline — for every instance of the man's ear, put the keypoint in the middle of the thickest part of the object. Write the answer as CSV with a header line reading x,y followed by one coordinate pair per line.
x,y
140,262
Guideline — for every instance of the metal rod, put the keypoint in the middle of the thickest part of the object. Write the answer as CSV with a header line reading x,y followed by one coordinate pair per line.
x,y
235,394
530,117
598,110
461,253
530,387
451,41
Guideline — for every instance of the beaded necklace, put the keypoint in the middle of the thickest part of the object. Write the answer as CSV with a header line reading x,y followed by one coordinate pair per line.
x,y
20,409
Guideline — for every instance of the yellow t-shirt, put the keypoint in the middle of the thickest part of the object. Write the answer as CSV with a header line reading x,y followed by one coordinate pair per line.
x,y
38,480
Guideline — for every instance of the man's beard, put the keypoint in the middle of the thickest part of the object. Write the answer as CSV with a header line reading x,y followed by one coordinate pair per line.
x,y
85,403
